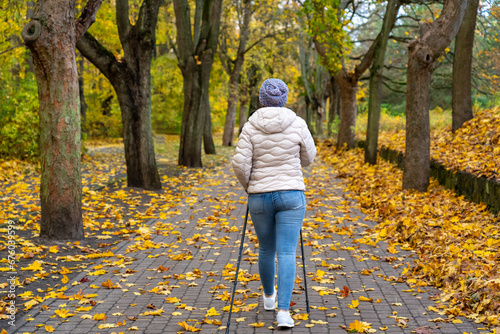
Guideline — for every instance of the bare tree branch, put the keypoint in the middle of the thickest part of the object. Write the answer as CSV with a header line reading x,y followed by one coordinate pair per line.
x,y
87,18
224,57
261,39
173,46
98,55
184,35
401,39
364,40
480,90
197,20
399,83
10,49
393,89
123,21
389,67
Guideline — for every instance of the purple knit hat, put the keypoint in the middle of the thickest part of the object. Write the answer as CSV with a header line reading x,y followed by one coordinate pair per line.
x,y
273,93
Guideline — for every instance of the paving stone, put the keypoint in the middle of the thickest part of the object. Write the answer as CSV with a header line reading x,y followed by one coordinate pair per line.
x,y
213,258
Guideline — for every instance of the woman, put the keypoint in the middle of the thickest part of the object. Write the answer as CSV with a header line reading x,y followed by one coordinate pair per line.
x,y
273,146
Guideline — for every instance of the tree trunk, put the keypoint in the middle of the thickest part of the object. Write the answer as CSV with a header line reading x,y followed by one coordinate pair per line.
x,y
51,36
30,11
255,77
232,101
243,116
309,114
254,103
311,81
234,74
417,154
435,37
376,79
320,117
348,110
334,105
137,128
131,79
193,119
196,49
461,97
208,138
135,106
81,85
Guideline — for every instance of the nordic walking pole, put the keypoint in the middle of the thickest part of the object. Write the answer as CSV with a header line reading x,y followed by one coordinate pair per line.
x,y
237,270
304,268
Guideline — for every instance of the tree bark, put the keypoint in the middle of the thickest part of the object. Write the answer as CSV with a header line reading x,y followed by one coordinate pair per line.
x,y
376,79
234,72
348,87
254,101
461,94
306,74
232,103
308,116
196,49
254,78
208,138
334,105
244,102
30,9
131,79
423,52
320,118
51,36
81,85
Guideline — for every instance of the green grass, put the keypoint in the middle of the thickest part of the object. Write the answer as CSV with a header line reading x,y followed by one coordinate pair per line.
x,y
439,120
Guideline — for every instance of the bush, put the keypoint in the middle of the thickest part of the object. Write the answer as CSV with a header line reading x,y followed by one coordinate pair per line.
x,y
104,126
19,136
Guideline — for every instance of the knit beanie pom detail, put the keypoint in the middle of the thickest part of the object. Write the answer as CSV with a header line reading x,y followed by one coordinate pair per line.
x,y
273,93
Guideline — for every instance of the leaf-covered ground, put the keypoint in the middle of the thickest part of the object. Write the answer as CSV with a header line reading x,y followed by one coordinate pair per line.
x,y
112,212
456,241
474,148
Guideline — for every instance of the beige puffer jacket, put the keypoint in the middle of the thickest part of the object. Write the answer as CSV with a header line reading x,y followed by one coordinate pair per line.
x,y
273,147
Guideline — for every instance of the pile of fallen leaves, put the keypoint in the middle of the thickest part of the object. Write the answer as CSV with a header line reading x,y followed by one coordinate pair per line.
x,y
474,148
457,241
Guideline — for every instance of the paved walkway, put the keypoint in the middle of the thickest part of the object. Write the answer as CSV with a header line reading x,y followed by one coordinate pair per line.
x,y
181,273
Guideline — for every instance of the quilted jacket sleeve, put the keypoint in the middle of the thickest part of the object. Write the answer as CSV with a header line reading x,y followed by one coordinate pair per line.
x,y
242,159
307,147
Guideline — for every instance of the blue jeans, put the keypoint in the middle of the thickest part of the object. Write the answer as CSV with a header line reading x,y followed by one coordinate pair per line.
x,y
277,218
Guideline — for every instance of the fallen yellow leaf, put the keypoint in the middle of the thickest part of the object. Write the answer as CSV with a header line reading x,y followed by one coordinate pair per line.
x,y
257,324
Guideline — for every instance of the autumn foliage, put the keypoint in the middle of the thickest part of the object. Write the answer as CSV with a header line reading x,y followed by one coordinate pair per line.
x,y
474,148
456,241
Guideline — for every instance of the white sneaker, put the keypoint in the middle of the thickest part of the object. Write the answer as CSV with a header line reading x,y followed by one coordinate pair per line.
x,y
284,319
269,302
